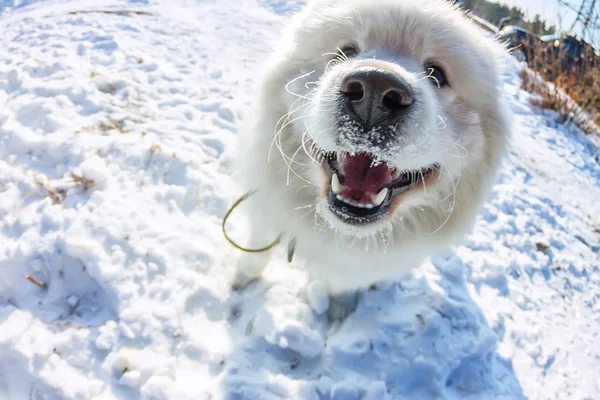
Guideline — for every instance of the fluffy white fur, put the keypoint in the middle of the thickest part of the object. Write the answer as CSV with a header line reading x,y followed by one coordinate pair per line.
x,y
463,128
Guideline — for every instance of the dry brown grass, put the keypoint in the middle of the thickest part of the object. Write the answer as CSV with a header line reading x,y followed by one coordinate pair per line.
x,y
585,91
85,183
57,195
572,91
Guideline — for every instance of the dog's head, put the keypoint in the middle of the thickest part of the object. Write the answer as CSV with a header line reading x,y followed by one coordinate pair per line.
x,y
389,115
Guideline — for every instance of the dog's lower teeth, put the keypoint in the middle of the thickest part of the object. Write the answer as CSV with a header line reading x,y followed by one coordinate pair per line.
x,y
354,203
380,197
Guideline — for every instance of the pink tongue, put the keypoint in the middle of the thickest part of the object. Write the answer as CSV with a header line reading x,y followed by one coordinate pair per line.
x,y
360,175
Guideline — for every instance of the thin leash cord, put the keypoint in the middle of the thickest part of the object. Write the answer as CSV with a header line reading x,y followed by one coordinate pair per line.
x,y
233,243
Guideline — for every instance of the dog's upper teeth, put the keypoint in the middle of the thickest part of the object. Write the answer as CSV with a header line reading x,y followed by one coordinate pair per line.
x,y
336,186
380,197
396,174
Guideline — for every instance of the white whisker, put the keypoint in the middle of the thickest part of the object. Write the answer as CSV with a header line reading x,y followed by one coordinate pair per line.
x,y
424,185
287,86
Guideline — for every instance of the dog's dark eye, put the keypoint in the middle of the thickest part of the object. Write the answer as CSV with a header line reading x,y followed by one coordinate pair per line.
x,y
348,50
437,75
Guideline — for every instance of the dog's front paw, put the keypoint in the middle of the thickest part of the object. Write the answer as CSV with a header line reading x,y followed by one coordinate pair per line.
x,y
249,270
241,281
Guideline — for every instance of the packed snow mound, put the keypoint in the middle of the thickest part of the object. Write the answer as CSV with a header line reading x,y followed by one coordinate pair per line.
x,y
116,136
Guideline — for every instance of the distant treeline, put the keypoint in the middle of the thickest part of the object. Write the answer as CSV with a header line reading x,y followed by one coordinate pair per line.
x,y
496,13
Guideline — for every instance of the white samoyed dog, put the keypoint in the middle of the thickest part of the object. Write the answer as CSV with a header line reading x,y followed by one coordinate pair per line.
x,y
375,138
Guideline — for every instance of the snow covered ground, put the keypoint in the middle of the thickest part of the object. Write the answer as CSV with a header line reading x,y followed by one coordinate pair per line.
x,y
116,134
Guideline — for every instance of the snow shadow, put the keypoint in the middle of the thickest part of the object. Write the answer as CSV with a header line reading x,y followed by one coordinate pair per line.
x,y
283,7
61,289
421,338
243,378
7,5
19,378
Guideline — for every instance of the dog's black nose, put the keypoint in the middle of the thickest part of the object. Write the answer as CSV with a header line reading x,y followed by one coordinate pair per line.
x,y
376,97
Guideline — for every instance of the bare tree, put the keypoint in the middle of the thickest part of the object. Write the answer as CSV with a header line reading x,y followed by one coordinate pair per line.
x,y
588,15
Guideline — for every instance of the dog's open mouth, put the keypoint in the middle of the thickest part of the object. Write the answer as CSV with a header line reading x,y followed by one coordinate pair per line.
x,y
361,188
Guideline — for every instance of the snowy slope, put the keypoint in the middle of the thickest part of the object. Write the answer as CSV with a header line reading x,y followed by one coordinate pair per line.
x,y
116,134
